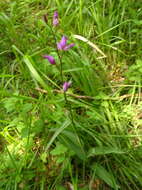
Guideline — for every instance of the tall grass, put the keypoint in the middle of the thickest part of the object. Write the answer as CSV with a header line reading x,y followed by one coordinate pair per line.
x,y
90,136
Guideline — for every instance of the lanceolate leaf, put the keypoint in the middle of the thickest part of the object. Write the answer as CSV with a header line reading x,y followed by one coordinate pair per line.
x,y
73,142
102,150
58,131
106,176
28,61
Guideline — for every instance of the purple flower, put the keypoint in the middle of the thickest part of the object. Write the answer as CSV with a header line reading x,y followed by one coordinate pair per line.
x,y
62,45
66,85
50,59
55,19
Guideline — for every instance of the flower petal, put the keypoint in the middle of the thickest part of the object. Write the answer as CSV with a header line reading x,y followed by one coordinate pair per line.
x,y
59,46
55,14
62,44
50,59
66,85
68,46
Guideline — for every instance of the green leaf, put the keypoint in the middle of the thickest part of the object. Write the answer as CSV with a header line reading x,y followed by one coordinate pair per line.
x,y
10,104
59,149
106,176
102,150
29,62
38,126
24,132
43,157
60,159
59,187
73,142
58,131
27,107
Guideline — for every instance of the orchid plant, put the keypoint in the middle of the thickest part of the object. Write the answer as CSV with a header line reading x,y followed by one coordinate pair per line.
x,y
61,46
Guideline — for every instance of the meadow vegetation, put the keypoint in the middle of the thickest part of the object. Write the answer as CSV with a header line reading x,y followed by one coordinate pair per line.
x,y
75,122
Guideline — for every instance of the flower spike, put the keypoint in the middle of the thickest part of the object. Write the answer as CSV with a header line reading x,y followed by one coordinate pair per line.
x,y
50,59
55,19
66,85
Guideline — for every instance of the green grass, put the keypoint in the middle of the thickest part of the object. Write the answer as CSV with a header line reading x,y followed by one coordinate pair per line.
x,y
89,137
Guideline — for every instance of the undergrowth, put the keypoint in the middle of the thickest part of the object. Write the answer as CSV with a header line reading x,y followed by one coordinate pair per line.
x,y
74,123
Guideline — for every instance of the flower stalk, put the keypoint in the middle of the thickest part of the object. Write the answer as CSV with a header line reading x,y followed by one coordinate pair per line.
x,y
60,46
